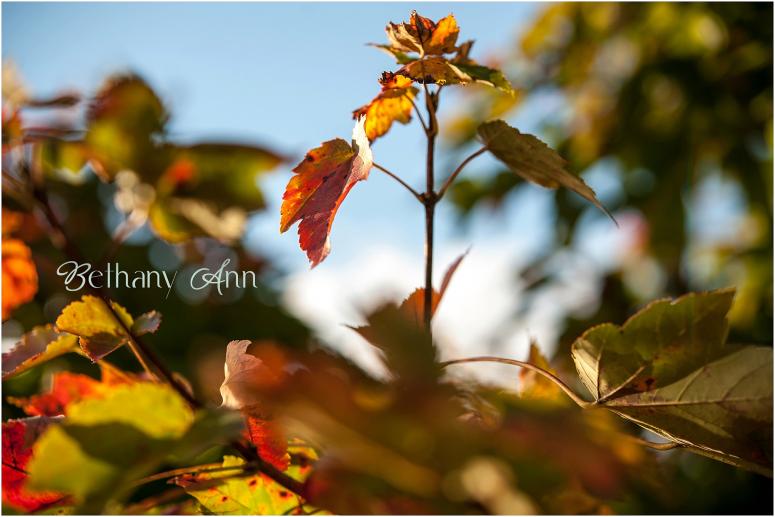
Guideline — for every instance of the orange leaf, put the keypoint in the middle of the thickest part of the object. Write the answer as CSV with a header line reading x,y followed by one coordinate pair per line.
x,y
322,181
393,104
18,438
268,439
415,303
423,36
20,279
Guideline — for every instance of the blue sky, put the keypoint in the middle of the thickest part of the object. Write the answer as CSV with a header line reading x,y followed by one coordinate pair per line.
x,y
289,75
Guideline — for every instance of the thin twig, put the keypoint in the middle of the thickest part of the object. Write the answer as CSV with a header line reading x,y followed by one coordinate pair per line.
x,y
556,380
399,180
419,116
429,200
659,446
460,167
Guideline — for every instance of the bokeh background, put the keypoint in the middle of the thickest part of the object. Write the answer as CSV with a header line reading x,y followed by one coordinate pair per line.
x,y
664,109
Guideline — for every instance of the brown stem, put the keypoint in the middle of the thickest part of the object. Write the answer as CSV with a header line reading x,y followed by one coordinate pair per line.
x,y
429,199
460,167
549,375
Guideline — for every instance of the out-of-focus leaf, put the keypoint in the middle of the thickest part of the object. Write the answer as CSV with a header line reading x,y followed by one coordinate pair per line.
x,y
147,323
393,104
668,369
532,159
37,346
234,492
109,442
99,332
414,305
123,119
18,437
66,388
268,438
20,278
534,386
63,156
322,180
423,36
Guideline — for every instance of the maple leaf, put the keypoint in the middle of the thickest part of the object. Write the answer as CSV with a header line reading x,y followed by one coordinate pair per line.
x,y
423,36
393,104
20,278
322,180
18,438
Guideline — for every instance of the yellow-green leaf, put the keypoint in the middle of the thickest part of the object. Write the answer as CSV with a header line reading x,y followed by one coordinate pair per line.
x,y
37,346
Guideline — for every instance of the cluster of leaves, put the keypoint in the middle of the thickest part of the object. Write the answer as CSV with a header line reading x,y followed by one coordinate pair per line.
x,y
305,431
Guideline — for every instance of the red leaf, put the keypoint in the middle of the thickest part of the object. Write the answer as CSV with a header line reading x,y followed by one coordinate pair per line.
x,y
268,438
18,437
322,181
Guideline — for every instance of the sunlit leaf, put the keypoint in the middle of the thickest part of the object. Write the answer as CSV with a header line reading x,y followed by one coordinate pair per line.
x,y
534,386
669,369
532,159
414,305
37,346
393,104
20,278
423,36
401,57
66,388
232,492
18,437
63,156
438,70
96,325
322,180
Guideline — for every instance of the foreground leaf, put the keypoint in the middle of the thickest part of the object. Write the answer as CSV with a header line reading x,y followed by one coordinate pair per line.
x,y
534,386
98,329
414,305
20,278
393,104
18,437
322,180
532,159
669,369
37,346
109,442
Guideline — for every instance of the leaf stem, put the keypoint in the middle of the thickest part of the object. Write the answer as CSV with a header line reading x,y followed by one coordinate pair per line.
x,y
416,194
429,199
460,167
419,116
556,380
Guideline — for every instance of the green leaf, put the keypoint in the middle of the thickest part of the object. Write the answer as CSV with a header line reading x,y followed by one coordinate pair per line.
x,y
401,57
233,492
669,369
37,346
532,159
106,443
63,156
99,331
177,219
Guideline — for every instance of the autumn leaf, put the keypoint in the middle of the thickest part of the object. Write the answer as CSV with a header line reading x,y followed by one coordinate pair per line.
x,y
414,305
393,104
534,386
37,346
20,278
423,36
227,493
669,369
532,159
322,180
99,330
438,70
18,438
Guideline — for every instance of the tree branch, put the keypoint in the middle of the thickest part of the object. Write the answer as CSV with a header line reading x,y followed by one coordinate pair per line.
x,y
556,380
460,167
399,180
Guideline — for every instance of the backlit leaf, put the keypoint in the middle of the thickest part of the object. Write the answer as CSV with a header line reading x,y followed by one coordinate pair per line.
x,y
438,70
66,388
231,492
532,159
95,324
669,369
20,278
18,438
322,180
534,386
413,306
37,346
423,36
393,104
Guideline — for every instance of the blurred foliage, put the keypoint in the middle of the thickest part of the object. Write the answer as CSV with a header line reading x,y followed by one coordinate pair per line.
x,y
663,100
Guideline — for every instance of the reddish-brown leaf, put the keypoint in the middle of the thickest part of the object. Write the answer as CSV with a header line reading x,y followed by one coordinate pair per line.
x,y
322,180
18,438
413,306
268,438
423,35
